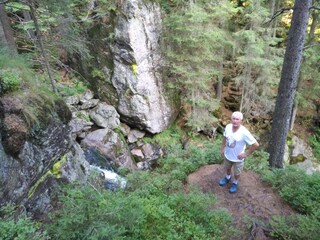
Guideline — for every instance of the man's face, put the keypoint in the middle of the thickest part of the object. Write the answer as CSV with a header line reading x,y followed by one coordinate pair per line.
x,y
236,121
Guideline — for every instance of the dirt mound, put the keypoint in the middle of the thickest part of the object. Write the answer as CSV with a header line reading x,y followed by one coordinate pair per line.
x,y
254,200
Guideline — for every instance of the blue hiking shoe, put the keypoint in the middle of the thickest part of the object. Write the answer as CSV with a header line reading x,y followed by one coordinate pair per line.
x,y
224,181
233,188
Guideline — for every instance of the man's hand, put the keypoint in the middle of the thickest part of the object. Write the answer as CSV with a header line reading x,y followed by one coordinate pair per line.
x,y
223,145
222,152
249,151
242,156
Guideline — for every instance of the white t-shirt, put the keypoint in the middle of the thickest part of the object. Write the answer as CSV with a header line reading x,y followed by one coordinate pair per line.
x,y
236,142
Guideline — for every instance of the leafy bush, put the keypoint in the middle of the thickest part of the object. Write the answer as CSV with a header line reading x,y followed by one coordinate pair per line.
x,y
296,227
302,192
153,205
181,162
10,80
17,226
314,141
13,71
258,162
76,87
168,138
145,213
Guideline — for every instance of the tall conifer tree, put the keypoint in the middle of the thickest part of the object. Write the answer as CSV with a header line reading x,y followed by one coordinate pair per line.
x,y
288,82
196,40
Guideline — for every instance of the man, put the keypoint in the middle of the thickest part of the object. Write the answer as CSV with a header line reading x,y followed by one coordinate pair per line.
x,y
233,149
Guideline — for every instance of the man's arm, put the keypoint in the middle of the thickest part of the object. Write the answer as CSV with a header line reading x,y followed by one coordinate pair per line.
x,y
223,145
248,151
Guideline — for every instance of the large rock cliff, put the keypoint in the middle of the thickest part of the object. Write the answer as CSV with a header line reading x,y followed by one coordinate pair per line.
x,y
36,153
126,67
143,100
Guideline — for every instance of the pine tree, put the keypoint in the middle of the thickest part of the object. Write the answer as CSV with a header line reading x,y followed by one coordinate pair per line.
x,y
195,46
288,82
258,59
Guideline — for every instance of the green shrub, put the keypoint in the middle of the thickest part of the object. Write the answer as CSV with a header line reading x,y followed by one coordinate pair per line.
x,y
181,162
257,162
149,212
314,141
77,87
300,190
18,227
168,138
296,227
10,80
13,71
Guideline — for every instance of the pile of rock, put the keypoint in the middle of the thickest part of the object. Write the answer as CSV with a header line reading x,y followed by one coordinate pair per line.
x,y
97,126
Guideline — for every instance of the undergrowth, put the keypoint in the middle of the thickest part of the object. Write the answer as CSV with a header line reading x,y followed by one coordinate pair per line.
x,y
314,141
19,226
302,192
299,190
154,205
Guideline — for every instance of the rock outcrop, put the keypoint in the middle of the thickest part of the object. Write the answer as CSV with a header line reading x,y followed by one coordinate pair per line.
x,y
36,154
142,98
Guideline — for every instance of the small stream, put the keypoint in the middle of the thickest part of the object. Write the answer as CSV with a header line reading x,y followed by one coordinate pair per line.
x,y
113,180
103,165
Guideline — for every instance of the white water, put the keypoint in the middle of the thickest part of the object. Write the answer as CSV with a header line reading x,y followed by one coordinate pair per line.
x,y
113,180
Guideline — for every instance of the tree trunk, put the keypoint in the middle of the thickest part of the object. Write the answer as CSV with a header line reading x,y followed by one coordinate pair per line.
x,y
27,18
310,40
6,33
275,21
43,52
315,17
288,82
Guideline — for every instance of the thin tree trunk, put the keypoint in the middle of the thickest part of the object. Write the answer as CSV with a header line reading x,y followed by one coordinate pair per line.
x,y
275,21
27,17
295,104
288,82
315,17
43,53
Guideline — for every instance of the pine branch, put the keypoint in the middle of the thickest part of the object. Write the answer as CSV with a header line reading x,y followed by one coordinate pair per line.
x,y
310,46
278,13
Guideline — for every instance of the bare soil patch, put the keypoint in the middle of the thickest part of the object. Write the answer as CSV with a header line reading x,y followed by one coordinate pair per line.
x,y
255,200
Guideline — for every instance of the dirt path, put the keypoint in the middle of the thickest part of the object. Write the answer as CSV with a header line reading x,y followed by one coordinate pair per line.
x,y
254,199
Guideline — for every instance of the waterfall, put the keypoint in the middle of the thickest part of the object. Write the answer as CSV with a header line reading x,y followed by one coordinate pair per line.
x,y
101,164
113,180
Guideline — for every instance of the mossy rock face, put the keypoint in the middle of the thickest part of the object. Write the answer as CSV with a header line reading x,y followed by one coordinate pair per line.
x,y
15,132
297,159
14,129
63,111
98,70
24,119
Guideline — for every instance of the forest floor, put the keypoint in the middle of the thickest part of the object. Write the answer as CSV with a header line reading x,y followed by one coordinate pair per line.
x,y
251,207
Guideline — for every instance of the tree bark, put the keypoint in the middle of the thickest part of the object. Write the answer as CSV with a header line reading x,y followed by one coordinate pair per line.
x,y
43,52
6,33
310,40
288,82
27,17
315,17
